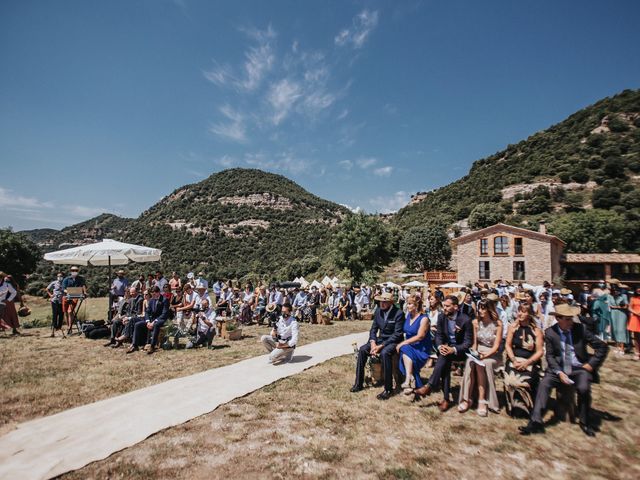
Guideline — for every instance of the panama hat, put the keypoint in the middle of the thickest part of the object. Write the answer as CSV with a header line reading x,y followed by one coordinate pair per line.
x,y
566,310
271,307
493,297
384,297
565,291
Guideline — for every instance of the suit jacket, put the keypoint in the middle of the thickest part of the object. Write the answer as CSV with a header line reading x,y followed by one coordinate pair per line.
x,y
463,333
581,338
134,306
157,310
389,331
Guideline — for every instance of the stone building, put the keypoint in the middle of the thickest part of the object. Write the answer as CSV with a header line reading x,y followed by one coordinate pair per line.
x,y
508,253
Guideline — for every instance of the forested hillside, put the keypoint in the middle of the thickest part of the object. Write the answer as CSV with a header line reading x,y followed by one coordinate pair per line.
x,y
583,171
234,223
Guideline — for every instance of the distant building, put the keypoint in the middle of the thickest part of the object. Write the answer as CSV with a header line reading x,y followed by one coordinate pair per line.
x,y
594,267
508,253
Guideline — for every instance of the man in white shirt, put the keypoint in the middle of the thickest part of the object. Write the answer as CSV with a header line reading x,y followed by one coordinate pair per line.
x,y
201,295
206,328
283,338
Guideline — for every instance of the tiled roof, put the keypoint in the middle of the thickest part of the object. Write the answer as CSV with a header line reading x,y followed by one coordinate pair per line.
x,y
602,258
501,227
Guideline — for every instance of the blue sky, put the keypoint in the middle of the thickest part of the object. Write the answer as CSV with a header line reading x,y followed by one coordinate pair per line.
x,y
109,106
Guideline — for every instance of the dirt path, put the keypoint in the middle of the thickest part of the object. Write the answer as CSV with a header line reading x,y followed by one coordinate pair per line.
x,y
69,440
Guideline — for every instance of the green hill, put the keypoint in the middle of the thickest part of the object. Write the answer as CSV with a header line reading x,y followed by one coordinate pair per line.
x,y
585,167
235,223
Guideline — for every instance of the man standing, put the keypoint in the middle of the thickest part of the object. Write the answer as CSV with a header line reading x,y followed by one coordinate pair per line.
x,y
283,338
55,292
155,316
384,336
69,304
454,336
119,285
160,281
569,363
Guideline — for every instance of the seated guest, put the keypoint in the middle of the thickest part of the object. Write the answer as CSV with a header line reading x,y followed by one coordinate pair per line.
x,y
344,306
154,318
119,286
332,303
384,336
260,304
300,303
247,300
206,328
479,372
283,338
569,363
183,318
416,347
139,284
524,347
130,309
313,302
166,292
454,336
201,294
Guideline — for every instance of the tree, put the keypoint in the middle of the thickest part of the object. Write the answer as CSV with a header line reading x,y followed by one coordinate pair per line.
x,y
18,256
425,248
591,231
361,244
484,215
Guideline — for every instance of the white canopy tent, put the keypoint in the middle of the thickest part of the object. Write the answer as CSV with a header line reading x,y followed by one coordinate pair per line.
x,y
326,281
390,285
105,253
452,285
316,284
415,283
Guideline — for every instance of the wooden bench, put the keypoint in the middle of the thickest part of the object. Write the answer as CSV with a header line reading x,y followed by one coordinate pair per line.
x,y
377,371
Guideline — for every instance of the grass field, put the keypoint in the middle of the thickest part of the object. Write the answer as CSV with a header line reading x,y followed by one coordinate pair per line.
x,y
40,375
309,426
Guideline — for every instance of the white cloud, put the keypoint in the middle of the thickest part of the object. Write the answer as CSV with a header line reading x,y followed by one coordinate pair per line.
x,y
383,171
285,162
354,210
390,204
361,26
282,96
10,200
234,129
226,161
346,164
343,114
365,163
259,59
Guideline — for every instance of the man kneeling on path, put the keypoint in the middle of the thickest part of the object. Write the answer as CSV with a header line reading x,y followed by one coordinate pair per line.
x,y
283,339
384,336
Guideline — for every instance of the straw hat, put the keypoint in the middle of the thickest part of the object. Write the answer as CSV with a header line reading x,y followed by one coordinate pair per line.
x,y
384,297
565,291
493,297
566,310
271,307
614,281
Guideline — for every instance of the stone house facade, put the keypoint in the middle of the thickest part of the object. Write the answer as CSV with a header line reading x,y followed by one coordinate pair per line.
x,y
508,253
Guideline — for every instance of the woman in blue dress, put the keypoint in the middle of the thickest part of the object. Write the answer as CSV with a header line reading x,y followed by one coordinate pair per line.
x,y
415,349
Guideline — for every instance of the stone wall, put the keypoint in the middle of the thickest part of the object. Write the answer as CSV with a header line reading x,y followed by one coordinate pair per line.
x,y
537,256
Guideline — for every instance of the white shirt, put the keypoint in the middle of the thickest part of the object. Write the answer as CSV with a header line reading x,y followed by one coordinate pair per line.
x,y
210,315
333,301
5,288
202,281
199,298
160,283
288,330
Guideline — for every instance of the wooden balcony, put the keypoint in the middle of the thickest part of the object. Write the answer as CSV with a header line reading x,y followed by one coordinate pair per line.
x,y
441,276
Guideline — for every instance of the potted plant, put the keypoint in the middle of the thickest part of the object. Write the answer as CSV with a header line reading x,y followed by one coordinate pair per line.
x,y
233,331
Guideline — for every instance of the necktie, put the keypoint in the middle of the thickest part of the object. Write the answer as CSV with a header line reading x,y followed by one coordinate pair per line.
x,y
566,367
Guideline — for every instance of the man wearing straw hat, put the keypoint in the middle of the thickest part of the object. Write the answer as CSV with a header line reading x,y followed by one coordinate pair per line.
x,y
569,363
384,336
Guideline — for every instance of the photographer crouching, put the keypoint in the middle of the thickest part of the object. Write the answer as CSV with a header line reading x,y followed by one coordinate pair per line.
x,y
206,327
283,338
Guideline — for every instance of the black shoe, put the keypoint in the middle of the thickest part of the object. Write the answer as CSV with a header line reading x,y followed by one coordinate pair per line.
x,y
111,342
531,427
384,395
588,430
356,389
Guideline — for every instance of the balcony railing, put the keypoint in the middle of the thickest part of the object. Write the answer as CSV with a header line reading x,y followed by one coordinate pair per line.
x,y
441,276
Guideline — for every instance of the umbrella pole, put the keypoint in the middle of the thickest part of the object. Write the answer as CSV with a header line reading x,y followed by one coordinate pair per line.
x,y
109,290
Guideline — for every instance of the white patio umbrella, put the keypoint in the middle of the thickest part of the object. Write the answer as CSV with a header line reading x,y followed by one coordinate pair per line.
x,y
452,285
415,283
390,285
105,253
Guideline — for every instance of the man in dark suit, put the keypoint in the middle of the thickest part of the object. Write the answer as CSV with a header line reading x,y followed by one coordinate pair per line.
x,y
454,337
385,334
155,316
569,363
131,309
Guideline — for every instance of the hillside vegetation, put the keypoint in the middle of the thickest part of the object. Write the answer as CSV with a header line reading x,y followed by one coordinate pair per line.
x,y
234,223
579,168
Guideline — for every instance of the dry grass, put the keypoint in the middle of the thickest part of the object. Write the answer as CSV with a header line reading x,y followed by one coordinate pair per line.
x,y
310,426
40,375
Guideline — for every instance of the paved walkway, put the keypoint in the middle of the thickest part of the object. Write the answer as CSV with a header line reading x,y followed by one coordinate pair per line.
x,y
69,440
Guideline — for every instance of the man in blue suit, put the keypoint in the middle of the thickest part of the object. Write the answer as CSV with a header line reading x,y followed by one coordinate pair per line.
x,y
155,316
385,334
454,337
